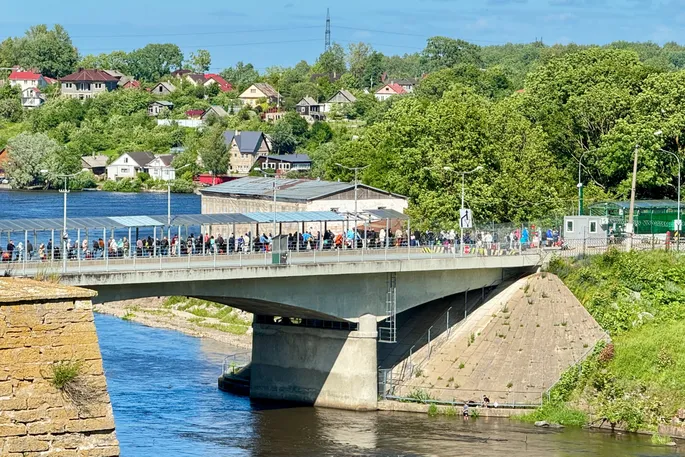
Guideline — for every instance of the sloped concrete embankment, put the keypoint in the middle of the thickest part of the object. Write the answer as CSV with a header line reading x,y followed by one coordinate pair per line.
x,y
512,349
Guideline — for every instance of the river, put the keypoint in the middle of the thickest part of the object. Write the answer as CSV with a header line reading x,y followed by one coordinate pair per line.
x,y
163,386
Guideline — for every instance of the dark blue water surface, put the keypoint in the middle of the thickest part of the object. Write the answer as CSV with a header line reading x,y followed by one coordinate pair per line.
x,y
163,387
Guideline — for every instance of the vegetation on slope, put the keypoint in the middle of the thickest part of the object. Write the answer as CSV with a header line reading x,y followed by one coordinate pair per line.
x,y
637,381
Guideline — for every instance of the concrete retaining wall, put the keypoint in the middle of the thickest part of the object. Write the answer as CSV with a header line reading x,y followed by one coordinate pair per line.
x,y
331,368
40,324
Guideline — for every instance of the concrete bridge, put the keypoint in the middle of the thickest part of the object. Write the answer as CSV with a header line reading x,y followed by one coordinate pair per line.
x,y
318,314
317,317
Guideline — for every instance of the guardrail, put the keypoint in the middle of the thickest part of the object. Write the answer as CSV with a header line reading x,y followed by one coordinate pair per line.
x,y
233,363
25,265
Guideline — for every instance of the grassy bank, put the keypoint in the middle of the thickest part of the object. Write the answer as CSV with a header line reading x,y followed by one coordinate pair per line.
x,y
637,381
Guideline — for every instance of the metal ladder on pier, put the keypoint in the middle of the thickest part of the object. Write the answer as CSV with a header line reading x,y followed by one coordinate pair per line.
x,y
388,332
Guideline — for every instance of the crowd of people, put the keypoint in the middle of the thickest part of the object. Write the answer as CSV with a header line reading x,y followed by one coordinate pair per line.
x,y
444,241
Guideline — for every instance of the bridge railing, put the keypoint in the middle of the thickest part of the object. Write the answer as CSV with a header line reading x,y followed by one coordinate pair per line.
x,y
233,363
22,263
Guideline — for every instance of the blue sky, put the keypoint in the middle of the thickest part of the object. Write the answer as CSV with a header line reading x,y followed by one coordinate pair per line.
x,y
271,32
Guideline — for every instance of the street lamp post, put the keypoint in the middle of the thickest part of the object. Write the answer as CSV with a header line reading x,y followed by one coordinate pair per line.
x,y
580,185
679,224
356,170
631,211
65,236
463,179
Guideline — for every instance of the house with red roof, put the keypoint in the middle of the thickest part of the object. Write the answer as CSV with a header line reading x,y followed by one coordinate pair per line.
x,y
388,91
87,83
26,79
213,78
195,113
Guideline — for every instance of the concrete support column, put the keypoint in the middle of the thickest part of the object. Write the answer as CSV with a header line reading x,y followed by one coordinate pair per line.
x,y
322,367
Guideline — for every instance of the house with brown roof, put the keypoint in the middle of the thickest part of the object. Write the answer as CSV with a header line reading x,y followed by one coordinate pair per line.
x,y
96,164
160,167
87,83
163,88
339,99
310,109
259,91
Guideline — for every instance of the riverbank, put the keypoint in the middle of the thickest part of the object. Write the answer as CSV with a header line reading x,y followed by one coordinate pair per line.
x,y
192,317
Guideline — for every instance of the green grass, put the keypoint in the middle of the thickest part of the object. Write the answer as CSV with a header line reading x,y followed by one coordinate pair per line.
x,y
128,316
661,440
64,372
556,414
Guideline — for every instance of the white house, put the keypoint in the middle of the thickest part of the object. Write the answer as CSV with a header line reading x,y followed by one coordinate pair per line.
x,y
129,165
26,79
160,167
155,108
32,97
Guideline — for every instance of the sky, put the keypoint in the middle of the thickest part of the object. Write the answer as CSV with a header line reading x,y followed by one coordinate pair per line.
x,y
272,32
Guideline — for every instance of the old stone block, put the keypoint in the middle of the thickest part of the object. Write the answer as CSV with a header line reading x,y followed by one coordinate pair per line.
x,y
94,411
44,427
19,356
12,430
27,371
83,304
58,353
88,352
77,327
12,404
91,425
27,415
108,451
27,444
75,338
13,341
5,389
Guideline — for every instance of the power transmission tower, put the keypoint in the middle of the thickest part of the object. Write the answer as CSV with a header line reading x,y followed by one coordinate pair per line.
x,y
327,45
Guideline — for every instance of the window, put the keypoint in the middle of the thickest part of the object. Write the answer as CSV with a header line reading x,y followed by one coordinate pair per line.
x,y
593,226
98,85
569,226
125,159
253,91
123,170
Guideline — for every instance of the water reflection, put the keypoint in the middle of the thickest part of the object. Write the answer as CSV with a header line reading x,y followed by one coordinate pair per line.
x,y
166,403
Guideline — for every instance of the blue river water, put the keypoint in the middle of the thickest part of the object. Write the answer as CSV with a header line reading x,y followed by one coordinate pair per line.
x,y
163,386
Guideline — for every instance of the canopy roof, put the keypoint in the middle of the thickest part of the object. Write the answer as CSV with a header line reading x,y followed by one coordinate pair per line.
x,y
639,204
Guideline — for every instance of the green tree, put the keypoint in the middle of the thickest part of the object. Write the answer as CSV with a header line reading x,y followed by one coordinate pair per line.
x,y
241,75
10,103
283,140
442,52
331,61
115,60
154,60
50,51
26,157
200,61
213,151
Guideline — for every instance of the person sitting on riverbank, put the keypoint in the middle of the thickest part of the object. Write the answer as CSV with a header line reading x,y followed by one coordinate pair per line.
x,y
486,401
465,411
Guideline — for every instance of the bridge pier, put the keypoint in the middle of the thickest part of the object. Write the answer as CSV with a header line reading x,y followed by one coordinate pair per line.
x,y
318,366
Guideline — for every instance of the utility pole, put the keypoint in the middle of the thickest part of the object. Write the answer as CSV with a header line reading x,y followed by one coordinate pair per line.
x,y
630,228
327,44
356,170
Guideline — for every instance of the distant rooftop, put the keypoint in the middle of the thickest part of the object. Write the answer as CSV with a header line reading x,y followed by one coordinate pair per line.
x,y
299,190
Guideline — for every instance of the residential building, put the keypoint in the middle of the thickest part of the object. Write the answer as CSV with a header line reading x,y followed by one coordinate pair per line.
x,y
388,91
190,123
160,167
284,163
195,79
213,78
244,147
163,88
407,84
26,79
310,109
87,83
195,113
127,82
96,164
259,91
180,73
155,108
214,110
129,165
339,99
32,97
